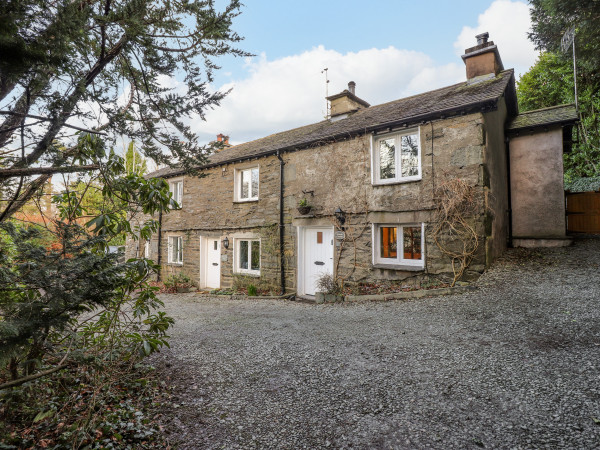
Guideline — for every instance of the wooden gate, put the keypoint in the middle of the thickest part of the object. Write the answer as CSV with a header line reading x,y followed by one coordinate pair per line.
x,y
583,212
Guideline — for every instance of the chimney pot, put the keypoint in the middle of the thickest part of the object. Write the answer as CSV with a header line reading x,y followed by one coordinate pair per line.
x,y
220,137
482,38
352,87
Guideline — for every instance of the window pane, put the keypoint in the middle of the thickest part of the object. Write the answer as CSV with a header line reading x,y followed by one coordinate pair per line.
x,y
412,242
388,242
245,184
255,263
179,249
409,155
243,254
254,183
387,159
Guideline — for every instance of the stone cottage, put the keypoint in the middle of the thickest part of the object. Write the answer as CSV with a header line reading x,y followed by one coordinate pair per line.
x,y
423,188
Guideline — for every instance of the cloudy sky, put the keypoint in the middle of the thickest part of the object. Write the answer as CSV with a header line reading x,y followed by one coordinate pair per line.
x,y
391,49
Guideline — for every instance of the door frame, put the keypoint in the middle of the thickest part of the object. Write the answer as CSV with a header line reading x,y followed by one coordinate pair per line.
x,y
203,261
301,230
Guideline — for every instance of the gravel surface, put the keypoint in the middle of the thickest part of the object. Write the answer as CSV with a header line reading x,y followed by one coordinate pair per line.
x,y
513,364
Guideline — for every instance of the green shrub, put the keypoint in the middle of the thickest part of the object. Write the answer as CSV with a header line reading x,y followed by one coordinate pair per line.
x,y
178,280
252,291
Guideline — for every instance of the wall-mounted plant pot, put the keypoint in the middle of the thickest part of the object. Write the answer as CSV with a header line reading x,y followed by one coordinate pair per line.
x,y
304,210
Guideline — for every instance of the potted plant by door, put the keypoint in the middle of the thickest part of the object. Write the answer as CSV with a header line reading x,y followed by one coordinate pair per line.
x,y
303,207
328,289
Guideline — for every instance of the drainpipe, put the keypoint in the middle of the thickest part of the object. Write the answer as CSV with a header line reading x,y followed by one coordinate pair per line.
x,y
510,232
159,241
281,225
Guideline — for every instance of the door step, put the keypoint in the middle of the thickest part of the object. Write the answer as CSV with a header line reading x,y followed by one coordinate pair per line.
x,y
306,299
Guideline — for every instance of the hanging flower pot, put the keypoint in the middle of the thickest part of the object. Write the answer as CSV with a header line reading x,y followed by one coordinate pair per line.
x,y
304,210
303,207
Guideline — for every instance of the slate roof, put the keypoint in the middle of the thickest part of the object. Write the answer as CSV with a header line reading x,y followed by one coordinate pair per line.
x,y
459,98
554,115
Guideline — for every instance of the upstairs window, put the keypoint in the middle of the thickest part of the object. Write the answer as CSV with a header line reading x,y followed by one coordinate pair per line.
x,y
397,157
247,184
175,250
400,245
176,188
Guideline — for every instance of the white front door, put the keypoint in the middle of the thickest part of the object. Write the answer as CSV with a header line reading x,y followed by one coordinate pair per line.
x,y
315,257
213,263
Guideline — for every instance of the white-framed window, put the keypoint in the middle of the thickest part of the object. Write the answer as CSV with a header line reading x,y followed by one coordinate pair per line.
x,y
401,245
246,184
396,157
175,250
247,256
176,188
146,249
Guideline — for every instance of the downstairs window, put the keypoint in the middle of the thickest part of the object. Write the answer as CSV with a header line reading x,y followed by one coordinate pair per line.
x,y
400,245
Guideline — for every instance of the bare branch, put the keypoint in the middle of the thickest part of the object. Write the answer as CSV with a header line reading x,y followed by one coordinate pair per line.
x,y
49,119
28,171
24,380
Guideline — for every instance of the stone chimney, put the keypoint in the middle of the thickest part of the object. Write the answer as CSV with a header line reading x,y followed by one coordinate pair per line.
x,y
483,59
346,102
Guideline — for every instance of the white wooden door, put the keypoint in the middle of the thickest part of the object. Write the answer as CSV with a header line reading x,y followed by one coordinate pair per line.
x,y
213,263
316,257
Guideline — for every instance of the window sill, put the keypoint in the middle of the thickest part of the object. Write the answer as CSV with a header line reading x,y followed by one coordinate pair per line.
x,y
251,200
402,181
403,267
174,264
248,274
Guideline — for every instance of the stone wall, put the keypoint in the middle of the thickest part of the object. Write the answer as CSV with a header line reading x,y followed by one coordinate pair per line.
x,y
338,175
495,183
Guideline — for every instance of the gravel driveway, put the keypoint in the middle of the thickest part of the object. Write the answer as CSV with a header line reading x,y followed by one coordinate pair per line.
x,y
513,364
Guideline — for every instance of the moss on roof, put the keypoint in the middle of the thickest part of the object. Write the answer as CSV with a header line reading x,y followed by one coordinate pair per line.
x,y
456,99
555,115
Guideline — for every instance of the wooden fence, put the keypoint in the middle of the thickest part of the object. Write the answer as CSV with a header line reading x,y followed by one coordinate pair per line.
x,y
583,212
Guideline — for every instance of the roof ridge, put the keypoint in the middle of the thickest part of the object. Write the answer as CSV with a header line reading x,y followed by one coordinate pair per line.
x,y
547,108
453,99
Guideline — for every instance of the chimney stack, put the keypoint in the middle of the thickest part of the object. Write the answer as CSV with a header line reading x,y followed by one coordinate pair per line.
x,y
483,59
346,102
222,138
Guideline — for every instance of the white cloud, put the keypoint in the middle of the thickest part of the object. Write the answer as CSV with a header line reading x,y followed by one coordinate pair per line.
x,y
289,92
284,93
508,23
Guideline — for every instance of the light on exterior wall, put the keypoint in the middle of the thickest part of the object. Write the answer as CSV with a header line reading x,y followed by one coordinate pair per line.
x,y
226,242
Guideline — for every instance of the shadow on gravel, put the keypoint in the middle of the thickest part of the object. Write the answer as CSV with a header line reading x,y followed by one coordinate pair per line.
x,y
512,364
